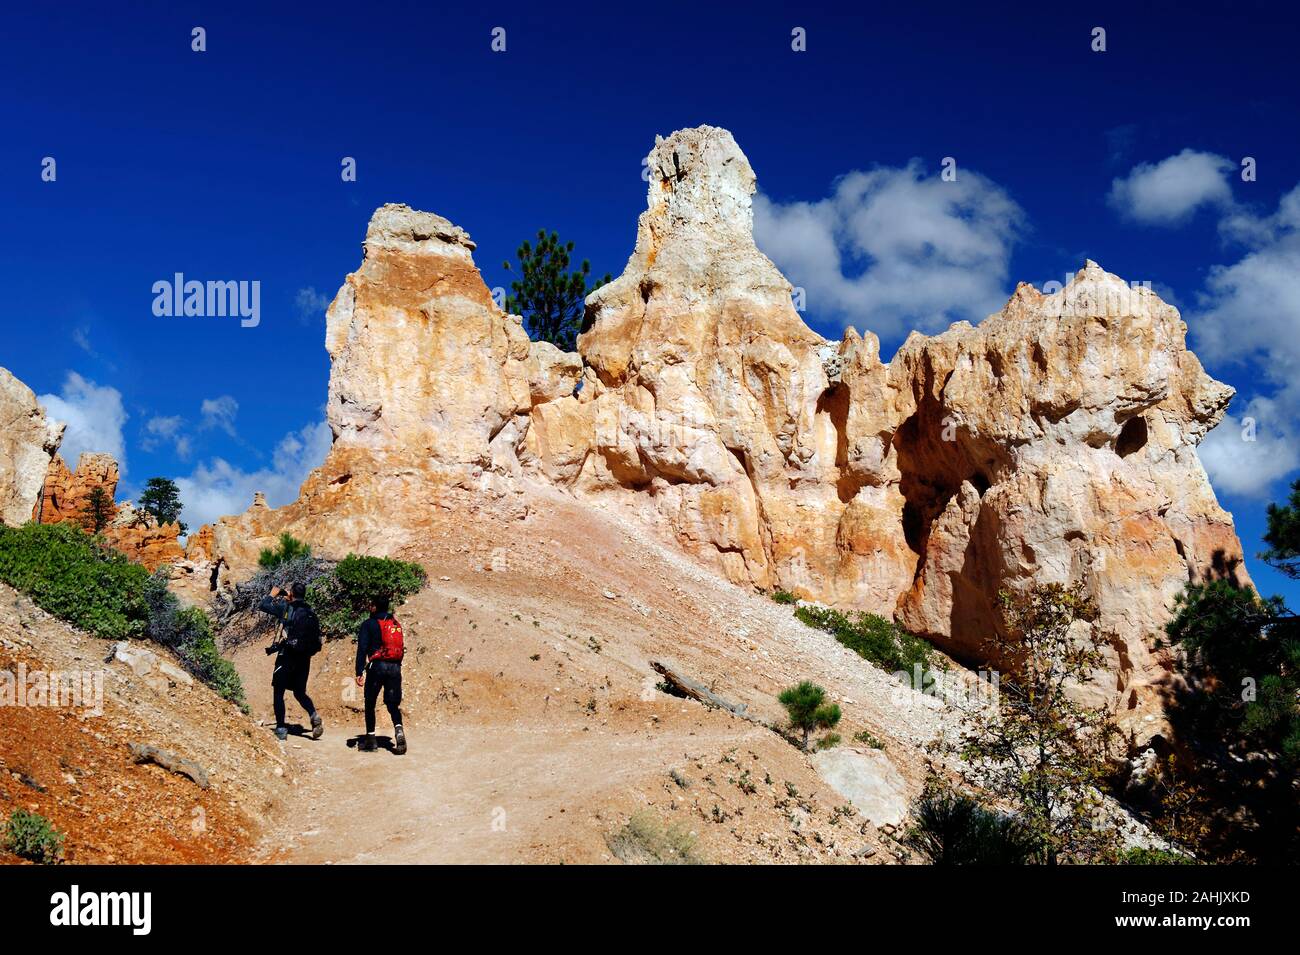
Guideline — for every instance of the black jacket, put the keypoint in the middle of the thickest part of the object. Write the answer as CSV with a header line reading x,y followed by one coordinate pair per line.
x,y
369,639
301,628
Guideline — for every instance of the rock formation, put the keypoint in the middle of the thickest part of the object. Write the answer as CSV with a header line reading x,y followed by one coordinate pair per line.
x,y
66,493
138,534
1053,442
28,441
430,388
134,532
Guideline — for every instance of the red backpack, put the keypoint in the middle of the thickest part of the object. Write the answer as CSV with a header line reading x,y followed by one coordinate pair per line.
x,y
390,639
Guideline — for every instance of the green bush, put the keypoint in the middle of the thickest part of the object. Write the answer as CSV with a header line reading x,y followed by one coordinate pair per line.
x,y
342,599
76,577
806,704
784,597
1140,856
950,828
870,739
289,548
871,637
646,841
31,836
187,631
82,581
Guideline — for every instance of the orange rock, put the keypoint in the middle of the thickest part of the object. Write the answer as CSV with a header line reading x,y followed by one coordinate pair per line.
x,y
66,493
134,532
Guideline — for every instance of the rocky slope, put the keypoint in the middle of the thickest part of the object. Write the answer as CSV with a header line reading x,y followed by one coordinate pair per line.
x,y
69,758
1053,442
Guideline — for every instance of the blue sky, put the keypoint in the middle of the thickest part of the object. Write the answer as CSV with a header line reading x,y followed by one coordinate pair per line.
x,y
225,164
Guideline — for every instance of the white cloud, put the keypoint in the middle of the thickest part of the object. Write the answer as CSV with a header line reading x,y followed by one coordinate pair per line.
x,y
217,488
893,249
95,417
1170,191
161,429
219,413
1246,455
1249,312
311,303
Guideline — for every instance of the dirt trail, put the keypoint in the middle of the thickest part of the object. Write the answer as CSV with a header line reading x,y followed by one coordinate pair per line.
x,y
461,795
535,727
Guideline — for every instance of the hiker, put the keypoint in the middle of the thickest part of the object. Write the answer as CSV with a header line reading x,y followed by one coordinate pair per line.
x,y
299,641
379,667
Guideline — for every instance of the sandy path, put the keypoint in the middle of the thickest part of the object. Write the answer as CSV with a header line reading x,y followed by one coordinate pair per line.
x,y
468,794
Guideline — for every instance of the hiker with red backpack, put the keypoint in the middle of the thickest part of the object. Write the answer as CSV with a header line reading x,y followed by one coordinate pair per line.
x,y
380,648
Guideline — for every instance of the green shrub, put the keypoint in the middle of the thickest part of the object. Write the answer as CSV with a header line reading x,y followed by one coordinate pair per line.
x,y
871,637
365,578
187,631
31,836
870,739
829,741
342,599
1141,856
784,597
950,828
289,548
93,587
646,841
75,577
198,650
806,704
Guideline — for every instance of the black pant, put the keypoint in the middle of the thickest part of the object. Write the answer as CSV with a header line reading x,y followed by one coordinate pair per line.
x,y
291,674
384,675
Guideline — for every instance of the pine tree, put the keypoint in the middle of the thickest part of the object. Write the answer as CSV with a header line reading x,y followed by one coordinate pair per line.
x,y
548,295
162,498
1283,537
97,510
808,709
290,548
1038,748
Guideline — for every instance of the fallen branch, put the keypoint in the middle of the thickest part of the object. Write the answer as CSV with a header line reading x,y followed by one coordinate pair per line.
x,y
170,762
695,690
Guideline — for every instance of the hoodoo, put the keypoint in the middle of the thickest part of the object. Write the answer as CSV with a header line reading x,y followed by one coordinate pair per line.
x,y
1054,442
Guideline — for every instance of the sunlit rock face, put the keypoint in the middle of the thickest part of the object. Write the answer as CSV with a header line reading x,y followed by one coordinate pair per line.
x,y
1057,441
28,442
430,386
1053,442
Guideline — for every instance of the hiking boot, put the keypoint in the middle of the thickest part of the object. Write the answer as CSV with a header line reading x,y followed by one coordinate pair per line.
x,y
282,733
399,741
367,743
317,726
